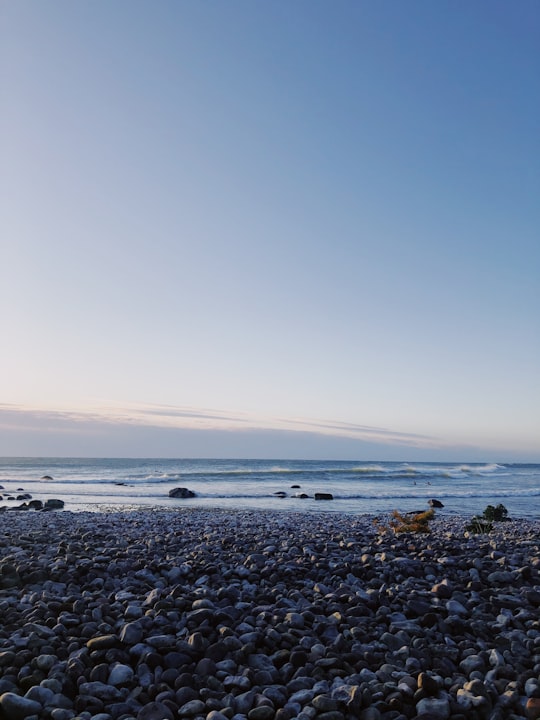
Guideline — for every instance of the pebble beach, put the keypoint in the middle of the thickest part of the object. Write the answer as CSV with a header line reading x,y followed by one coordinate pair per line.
x,y
242,615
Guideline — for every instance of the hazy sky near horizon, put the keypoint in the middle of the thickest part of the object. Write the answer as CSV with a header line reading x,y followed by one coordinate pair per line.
x,y
255,222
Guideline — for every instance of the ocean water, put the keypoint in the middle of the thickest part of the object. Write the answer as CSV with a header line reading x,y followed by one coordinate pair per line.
x,y
357,487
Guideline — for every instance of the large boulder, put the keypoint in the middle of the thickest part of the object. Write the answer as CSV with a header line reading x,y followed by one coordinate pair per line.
x,y
181,493
53,504
324,496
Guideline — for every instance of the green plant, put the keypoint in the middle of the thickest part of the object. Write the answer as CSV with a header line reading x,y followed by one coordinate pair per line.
x,y
496,513
484,523
479,525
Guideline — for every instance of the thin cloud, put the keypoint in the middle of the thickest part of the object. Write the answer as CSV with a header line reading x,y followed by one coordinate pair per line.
x,y
343,428
164,431
162,416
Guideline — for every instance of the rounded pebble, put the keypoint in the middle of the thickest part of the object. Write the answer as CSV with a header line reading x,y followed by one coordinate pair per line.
x,y
238,615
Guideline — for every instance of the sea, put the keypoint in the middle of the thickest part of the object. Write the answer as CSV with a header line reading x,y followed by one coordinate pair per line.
x,y
90,484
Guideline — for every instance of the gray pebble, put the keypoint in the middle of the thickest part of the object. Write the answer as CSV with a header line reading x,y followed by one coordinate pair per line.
x,y
145,615
16,707
155,711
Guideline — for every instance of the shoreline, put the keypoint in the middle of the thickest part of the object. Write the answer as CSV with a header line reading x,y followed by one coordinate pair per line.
x,y
357,487
216,614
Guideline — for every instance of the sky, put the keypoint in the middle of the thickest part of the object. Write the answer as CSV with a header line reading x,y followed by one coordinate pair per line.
x,y
270,229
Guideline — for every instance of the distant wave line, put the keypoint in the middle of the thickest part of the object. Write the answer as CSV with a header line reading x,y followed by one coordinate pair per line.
x,y
530,492
416,475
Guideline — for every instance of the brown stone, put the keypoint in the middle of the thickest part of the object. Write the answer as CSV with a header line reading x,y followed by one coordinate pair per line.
x,y
532,708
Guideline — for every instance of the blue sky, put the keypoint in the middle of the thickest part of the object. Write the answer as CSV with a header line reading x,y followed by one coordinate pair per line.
x,y
278,229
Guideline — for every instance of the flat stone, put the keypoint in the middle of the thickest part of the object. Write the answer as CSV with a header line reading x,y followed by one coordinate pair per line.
x,y
100,690
131,633
63,714
40,694
501,577
438,707
155,711
46,662
161,641
456,608
191,708
370,713
323,703
6,658
102,642
238,681
262,712
295,620
120,674
470,663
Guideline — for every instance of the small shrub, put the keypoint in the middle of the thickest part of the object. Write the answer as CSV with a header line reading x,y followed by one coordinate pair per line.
x,y
484,523
496,513
479,525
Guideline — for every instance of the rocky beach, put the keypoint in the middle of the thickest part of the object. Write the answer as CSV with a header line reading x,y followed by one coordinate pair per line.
x,y
234,615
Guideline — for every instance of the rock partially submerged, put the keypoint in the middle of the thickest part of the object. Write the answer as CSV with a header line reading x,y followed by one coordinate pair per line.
x,y
37,505
53,504
323,496
435,503
181,493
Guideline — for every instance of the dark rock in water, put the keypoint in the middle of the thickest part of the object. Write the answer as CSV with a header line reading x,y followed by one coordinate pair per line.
x,y
295,487
324,496
24,496
301,496
280,494
53,504
46,477
435,503
35,505
181,493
